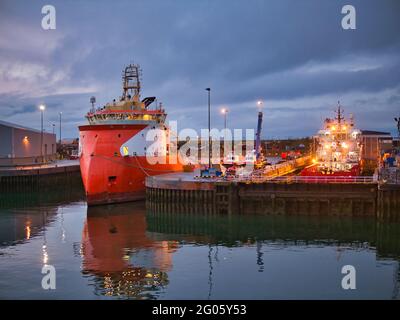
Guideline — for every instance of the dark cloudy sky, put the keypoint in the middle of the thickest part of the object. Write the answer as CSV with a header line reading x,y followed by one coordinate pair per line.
x,y
292,54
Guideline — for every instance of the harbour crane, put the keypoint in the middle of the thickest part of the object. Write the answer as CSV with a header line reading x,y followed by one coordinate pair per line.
x,y
258,136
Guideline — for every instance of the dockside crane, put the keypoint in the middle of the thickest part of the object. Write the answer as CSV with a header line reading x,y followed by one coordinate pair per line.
x,y
258,136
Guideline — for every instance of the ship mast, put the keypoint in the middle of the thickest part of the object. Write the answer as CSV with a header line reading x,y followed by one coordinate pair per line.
x,y
339,113
131,82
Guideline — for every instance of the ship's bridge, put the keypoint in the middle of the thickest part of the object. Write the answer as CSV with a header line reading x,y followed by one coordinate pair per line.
x,y
129,116
127,110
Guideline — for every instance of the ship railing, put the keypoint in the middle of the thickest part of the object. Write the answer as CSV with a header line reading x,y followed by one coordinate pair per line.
x,y
257,178
125,115
126,112
389,175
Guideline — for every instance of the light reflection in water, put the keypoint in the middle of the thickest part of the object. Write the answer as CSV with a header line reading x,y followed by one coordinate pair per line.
x,y
117,250
28,232
122,251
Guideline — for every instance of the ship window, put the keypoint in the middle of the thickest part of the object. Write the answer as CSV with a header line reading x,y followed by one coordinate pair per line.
x,y
112,178
119,135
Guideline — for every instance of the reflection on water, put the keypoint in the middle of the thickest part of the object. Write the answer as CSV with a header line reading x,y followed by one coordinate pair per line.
x,y
122,251
18,227
117,250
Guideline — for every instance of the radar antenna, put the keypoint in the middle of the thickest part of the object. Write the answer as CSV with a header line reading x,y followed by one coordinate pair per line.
x,y
92,101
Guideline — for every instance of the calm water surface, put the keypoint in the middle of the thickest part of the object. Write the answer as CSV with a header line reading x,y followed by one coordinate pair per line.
x,y
122,251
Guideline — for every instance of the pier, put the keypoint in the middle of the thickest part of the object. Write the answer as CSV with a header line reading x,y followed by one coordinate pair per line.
x,y
40,184
283,195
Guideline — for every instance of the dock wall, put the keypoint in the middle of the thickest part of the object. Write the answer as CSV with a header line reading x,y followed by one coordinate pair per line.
x,y
40,186
388,202
272,198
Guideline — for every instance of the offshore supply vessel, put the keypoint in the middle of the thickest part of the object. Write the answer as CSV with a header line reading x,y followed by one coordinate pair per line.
x,y
337,148
124,142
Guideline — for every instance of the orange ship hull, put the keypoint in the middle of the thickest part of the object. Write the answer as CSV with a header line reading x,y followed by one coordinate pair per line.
x,y
109,177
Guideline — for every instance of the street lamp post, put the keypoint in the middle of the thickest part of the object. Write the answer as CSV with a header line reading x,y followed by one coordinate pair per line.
x,y
42,107
209,127
259,104
54,127
60,127
224,111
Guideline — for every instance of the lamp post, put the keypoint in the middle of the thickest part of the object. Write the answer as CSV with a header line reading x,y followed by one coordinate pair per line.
x,y
259,105
42,107
209,127
60,127
54,126
224,111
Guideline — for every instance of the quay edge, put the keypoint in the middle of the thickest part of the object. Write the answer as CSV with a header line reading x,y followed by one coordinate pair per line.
x,y
180,193
37,185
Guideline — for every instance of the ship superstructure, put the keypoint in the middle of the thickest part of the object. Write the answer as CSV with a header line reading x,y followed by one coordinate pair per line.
x,y
129,108
337,147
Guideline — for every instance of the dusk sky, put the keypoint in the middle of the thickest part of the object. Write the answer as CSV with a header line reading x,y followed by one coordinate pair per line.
x,y
294,55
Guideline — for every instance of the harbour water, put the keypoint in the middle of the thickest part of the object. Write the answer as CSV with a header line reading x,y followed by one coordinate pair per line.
x,y
125,251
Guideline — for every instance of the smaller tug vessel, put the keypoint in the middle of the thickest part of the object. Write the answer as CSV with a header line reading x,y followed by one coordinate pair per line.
x,y
337,148
124,142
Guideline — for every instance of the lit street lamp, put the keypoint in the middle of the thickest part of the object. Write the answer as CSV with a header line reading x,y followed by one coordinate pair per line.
x,y
224,111
209,128
60,127
42,107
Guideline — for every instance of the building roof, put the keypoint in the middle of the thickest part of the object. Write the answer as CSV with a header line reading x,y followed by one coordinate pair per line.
x,y
17,126
374,133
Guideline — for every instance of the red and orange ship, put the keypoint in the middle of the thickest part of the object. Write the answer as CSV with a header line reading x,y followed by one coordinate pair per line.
x,y
124,142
